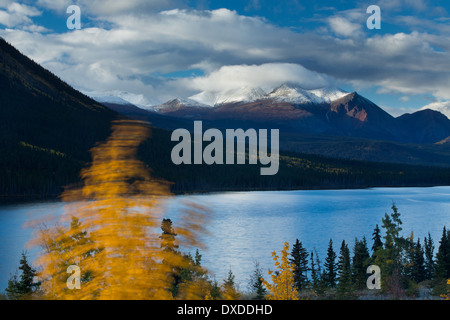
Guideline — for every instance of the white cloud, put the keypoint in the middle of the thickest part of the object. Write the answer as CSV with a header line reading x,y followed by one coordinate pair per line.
x,y
12,20
344,27
24,10
265,76
230,49
15,15
106,8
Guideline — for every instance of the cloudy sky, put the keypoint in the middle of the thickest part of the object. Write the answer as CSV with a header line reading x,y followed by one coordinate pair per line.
x,y
162,49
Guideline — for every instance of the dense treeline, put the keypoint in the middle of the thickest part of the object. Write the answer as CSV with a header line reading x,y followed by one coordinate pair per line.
x,y
297,171
404,263
42,166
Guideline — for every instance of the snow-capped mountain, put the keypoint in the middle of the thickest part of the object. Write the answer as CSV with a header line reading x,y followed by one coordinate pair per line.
x,y
244,94
329,94
120,97
295,94
178,103
285,93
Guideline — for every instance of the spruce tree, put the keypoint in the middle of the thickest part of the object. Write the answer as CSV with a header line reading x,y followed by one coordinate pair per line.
x,y
429,257
418,263
443,256
24,286
330,267
256,283
229,291
12,290
390,257
360,263
377,243
394,244
315,273
344,273
300,262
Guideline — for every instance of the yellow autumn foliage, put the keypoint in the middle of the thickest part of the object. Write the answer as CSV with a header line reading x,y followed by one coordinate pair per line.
x,y
283,285
119,249
447,296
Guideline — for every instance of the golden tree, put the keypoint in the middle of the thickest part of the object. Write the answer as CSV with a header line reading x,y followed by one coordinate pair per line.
x,y
283,285
119,249
447,296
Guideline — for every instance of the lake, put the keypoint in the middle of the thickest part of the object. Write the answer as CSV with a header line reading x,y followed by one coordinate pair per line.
x,y
247,226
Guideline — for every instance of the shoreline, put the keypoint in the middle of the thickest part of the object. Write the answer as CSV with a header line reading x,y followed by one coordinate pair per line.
x,y
23,199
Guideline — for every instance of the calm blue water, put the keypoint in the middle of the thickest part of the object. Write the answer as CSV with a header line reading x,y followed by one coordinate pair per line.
x,y
247,226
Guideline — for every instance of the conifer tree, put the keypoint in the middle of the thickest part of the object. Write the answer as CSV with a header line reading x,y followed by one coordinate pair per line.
x,y
394,244
329,276
24,286
360,263
377,243
300,262
443,256
344,273
256,283
418,263
229,291
12,290
390,257
317,284
429,257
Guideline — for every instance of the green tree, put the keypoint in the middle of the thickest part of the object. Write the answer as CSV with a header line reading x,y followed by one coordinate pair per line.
x,y
24,286
300,262
443,256
429,257
377,243
344,273
418,273
12,290
317,283
229,290
256,283
329,275
361,260
390,258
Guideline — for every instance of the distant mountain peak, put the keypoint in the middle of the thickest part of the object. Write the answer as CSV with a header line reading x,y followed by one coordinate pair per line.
x,y
293,93
441,106
242,94
179,103
120,97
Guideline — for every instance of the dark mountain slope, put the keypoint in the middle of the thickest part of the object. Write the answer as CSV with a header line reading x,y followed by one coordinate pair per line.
x,y
46,127
425,126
